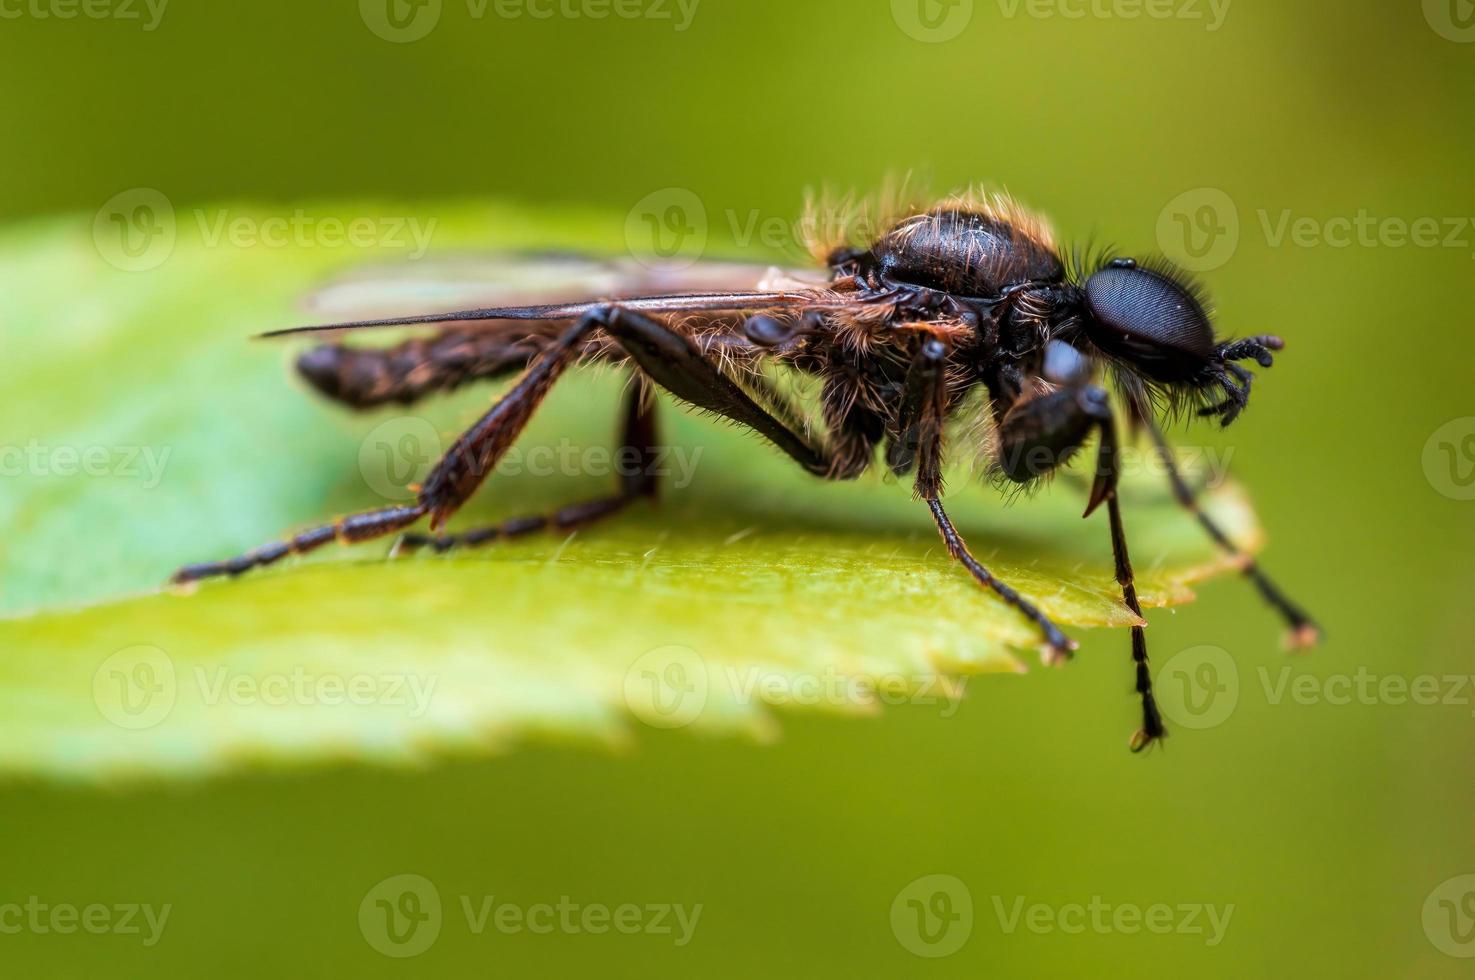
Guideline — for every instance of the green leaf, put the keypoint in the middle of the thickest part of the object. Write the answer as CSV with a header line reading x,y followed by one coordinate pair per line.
x,y
144,430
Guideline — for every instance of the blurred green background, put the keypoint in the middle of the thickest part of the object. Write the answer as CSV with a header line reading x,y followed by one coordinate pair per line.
x,y
1328,827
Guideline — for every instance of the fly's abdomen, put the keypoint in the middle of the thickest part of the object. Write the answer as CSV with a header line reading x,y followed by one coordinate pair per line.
x,y
966,252
367,377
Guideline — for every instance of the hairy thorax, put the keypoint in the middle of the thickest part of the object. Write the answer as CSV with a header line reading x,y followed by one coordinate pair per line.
x,y
965,252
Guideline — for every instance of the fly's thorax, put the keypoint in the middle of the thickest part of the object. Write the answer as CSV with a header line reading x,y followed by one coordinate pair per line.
x,y
965,253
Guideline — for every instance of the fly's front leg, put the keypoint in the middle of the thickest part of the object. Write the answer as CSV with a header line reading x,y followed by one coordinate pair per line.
x,y
1304,633
1042,433
919,444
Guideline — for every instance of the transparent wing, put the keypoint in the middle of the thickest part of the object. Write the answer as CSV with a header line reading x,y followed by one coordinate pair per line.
x,y
547,286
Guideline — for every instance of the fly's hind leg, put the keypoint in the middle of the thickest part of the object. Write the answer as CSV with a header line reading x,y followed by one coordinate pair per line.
x,y
636,461
666,356
348,530
670,359
454,479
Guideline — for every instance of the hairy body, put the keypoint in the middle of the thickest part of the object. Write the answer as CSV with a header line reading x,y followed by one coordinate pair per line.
x,y
970,296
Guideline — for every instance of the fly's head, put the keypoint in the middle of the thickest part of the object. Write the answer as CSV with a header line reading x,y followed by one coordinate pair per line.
x,y
1152,323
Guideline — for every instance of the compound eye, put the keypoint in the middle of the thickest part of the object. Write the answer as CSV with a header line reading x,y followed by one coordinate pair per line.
x,y
1150,319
